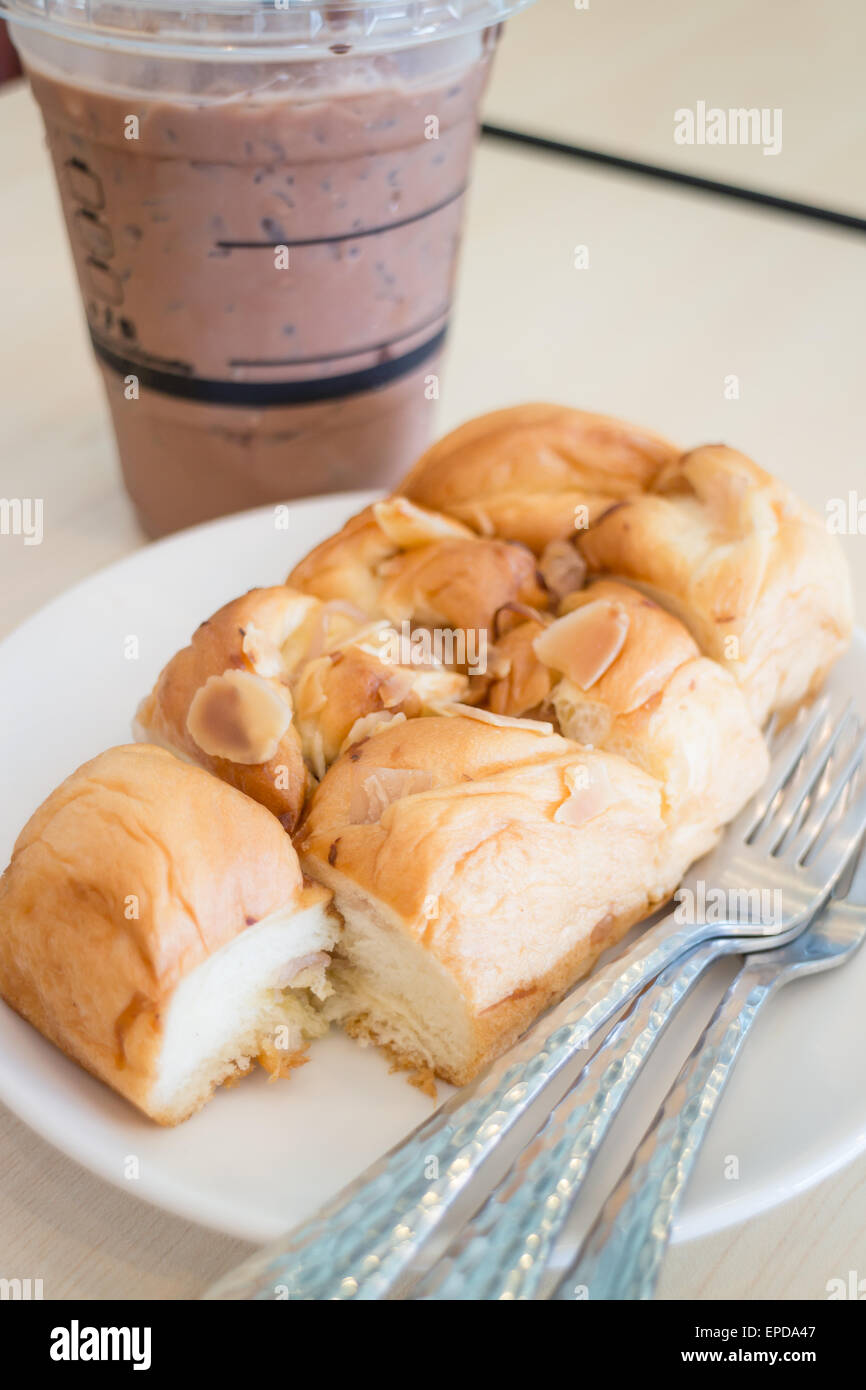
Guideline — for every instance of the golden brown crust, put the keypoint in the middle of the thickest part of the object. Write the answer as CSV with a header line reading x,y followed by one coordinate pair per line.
x,y
337,690
459,583
267,681
747,566
392,571
522,682
132,872
280,781
484,867
655,644
449,749
345,565
658,703
523,472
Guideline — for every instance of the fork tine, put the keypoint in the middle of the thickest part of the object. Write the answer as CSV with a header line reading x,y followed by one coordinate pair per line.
x,y
788,750
828,862
851,882
844,747
805,780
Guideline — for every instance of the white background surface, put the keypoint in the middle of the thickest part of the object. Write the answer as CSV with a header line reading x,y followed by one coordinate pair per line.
x,y
682,290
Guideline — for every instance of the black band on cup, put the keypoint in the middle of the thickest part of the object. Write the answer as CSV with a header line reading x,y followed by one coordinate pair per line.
x,y
259,393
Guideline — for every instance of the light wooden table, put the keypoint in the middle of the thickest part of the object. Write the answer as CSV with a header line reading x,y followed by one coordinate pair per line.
x,y
611,73
682,290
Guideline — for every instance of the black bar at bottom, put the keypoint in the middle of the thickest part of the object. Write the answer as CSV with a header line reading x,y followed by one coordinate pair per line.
x,y
215,1342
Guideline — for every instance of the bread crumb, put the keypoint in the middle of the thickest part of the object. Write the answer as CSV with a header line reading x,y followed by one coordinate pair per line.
x,y
423,1078
243,1068
279,1063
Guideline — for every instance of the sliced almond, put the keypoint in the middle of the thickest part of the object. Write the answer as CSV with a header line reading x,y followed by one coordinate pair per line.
x,y
562,568
309,689
263,654
479,518
369,724
395,687
372,637
374,791
486,716
589,794
299,609
303,619
313,746
407,525
336,622
439,686
239,716
520,681
509,616
585,643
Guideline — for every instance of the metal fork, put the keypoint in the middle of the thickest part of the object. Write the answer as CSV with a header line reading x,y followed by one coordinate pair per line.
x,y
506,1250
379,1231
621,1257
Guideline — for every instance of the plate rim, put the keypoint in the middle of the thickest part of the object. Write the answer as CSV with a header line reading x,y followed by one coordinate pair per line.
x,y
164,1190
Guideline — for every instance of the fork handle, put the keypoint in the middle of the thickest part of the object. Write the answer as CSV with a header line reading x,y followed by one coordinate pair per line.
x,y
505,1251
622,1255
362,1244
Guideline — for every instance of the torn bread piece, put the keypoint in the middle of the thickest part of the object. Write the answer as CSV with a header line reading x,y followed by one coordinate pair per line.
x,y
410,565
618,672
751,571
536,473
155,926
221,702
273,685
480,869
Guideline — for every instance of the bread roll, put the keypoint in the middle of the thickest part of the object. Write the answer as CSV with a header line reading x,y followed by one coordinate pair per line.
x,y
749,568
272,686
618,672
242,728
480,870
535,473
407,564
155,926
348,564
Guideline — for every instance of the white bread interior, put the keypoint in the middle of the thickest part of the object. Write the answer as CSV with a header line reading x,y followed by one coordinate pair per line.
x,y
504,862
254,999
155,925
389,990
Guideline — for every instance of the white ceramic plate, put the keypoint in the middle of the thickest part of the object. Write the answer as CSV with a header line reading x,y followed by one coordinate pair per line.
x,y
263,1156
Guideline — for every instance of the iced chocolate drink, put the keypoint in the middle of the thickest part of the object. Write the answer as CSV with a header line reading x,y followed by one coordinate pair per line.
x,y
266,249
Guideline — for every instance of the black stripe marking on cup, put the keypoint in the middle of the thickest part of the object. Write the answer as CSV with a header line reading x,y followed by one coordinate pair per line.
x,y
258,393
343,236
386,345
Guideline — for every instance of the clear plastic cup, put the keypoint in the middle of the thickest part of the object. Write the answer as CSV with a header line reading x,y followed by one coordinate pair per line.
x,y
264,201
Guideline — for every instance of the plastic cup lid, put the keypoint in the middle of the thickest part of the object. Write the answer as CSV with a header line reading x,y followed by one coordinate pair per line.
x,y
259,28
